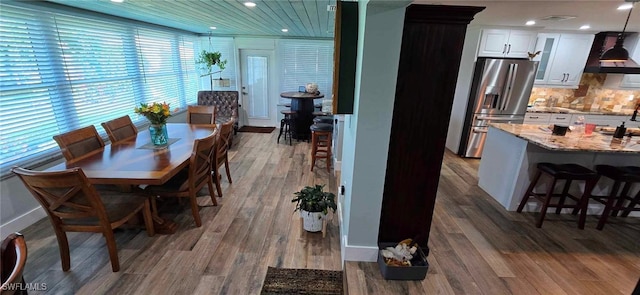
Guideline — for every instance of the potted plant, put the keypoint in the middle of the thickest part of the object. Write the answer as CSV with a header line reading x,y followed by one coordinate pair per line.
x,y
210,59
314,204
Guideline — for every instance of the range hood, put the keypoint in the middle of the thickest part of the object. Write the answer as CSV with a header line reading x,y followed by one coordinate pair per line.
x,y
604,41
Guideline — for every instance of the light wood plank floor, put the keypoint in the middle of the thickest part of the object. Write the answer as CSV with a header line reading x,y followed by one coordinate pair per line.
x,y
476,247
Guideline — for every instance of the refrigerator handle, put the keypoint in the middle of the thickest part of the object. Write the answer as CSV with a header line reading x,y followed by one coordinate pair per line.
x,y
511,77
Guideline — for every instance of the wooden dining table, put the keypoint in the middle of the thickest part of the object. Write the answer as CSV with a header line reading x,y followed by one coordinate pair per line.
x,y
134,162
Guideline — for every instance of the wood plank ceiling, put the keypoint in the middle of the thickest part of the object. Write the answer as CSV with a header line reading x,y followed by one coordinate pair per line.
x,y
303,19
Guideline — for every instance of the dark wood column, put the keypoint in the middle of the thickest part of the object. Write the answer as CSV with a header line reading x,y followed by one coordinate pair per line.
x,y
432,42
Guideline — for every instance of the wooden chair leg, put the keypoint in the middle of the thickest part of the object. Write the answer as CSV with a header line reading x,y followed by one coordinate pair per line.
x,y
216,178
607,207
329,153
563,196
195,210
148,218
621,199
63,247
529,191
111,247
584,201
226,167
632,204
211,193
314,148
545,204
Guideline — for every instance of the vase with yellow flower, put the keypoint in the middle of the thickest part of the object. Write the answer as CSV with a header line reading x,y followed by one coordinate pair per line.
x,y
157,114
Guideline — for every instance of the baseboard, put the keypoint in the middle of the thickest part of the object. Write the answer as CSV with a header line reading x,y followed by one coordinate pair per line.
x,y
359,253
23,221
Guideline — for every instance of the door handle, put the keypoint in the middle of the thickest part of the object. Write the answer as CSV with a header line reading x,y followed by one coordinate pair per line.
x,y
509,49
564,76
245,93
567,79
504,49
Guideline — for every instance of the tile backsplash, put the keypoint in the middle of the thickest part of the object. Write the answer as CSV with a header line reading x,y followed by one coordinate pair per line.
x,y
590,96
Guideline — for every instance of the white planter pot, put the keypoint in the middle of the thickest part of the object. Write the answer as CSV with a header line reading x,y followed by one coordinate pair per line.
x,y
312,221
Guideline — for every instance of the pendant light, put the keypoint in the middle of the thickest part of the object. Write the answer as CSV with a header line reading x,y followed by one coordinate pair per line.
x,y
618,53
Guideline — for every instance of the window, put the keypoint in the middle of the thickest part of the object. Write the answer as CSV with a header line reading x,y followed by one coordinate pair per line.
x,y
304,61
60,71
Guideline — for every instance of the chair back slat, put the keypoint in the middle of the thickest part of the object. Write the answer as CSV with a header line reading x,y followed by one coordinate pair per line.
x,y
64,195
77,143
201,114
201,159
120,129
226,130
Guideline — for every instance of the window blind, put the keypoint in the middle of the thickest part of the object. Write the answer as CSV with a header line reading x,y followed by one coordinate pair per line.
x,y
306,61
62,71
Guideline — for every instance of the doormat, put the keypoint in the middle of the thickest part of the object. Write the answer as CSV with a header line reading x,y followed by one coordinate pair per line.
x,y
302,281
255,129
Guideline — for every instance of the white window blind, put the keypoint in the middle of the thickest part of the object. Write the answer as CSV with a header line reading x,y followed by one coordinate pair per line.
x,y
62,71
225,46
306,61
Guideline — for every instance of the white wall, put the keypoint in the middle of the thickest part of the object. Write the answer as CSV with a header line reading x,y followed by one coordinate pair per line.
x,y
367,131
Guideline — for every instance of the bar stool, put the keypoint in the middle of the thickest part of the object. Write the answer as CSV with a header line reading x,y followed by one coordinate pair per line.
x,y
321,134
568,173
285,125
627,175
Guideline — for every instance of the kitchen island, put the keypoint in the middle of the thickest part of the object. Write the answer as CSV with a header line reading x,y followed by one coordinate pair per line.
x,y
512,151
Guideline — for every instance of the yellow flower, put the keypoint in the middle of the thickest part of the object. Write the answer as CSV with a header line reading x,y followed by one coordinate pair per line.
x,y
156,113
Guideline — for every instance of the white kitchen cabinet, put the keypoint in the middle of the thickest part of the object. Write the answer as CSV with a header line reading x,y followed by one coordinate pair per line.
x,y
562,59
605,120
537,118
506,43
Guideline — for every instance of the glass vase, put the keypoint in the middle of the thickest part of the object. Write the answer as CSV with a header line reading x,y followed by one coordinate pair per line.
x,y
159,136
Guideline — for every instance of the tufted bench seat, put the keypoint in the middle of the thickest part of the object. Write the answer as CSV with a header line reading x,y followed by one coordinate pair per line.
x,y
226,103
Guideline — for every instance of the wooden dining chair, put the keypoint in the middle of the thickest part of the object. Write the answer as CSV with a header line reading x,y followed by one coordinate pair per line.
x,y
73,204
189,181
77,143
221,154
14,257
201,114
120,129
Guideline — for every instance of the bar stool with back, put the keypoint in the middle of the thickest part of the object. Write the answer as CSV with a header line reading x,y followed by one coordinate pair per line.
x,y
321,134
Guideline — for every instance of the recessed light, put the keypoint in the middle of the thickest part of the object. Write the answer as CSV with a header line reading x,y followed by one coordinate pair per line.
x,y
584,27
530,23
213,28
117,1
625,6
249,4
285,30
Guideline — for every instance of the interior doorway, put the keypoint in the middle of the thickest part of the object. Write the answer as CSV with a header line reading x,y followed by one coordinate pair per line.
x,y
256,66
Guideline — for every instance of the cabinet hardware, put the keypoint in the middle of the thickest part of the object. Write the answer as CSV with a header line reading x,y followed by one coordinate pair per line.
x,y
532,117
509,49
504,49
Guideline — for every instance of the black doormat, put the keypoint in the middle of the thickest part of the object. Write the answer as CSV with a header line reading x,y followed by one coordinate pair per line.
x,y
255,129
302,281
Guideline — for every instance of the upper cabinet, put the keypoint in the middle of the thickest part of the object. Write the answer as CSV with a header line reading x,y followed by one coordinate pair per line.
x,y
506,43
562,59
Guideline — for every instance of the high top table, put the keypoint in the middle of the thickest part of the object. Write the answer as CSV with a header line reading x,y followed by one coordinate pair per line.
x,y
302,104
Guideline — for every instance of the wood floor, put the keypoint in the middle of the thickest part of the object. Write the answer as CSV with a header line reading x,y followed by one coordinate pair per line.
x,y
476,247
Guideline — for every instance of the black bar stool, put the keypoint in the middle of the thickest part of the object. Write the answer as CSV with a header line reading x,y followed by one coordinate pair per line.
x,y
285,125
321,134
627,175
568,173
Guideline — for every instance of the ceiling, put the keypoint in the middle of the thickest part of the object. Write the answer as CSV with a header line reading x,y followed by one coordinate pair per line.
x,y
310,18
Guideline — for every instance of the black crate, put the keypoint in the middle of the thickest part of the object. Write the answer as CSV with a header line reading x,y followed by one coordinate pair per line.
x,y
407,273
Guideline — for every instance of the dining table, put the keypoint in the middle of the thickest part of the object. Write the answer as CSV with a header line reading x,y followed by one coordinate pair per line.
x,y
303,104
134,162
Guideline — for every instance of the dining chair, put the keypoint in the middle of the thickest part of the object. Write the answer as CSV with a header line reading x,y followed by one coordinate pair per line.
x,y
73,204
120,129
14,257
77,143
221,153
189,181
201,114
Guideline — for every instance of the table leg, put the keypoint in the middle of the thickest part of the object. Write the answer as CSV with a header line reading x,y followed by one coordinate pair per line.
x,y
162,226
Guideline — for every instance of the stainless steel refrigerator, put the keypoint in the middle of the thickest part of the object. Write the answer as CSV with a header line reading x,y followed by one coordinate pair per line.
x,y
499,93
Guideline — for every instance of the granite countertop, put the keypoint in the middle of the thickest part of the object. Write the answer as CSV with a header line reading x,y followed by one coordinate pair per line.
x,y
540,135
559,110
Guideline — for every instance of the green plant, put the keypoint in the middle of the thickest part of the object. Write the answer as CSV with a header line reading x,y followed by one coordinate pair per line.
x,y
210,59
314,199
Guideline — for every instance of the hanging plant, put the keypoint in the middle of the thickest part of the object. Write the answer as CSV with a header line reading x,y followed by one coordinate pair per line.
x,y
209,59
